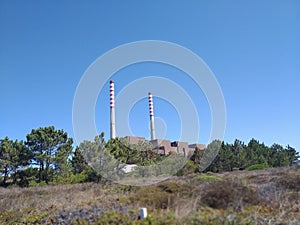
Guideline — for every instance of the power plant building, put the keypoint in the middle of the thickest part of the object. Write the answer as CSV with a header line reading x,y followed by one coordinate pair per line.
x,y
163,147
134,139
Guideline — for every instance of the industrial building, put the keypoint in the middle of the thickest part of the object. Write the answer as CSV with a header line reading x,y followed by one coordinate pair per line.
x,y
163,147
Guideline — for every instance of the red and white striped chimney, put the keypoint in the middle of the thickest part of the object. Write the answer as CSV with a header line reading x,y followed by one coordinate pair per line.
x,y
151,116
112,110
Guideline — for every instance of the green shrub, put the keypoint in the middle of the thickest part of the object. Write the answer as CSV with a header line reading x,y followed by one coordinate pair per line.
x,y
258,167
225,194
189,168
161,196
8,217
33,217
210,173
34,183
70,178
152,196
204,178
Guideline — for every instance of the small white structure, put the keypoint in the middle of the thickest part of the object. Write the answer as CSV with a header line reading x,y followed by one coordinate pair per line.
x,y
143,213
129,168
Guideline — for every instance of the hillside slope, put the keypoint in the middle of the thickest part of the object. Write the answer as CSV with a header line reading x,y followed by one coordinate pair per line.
x,y
270,196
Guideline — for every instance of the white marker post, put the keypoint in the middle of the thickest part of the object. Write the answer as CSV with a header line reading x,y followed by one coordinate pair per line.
x,y
143,213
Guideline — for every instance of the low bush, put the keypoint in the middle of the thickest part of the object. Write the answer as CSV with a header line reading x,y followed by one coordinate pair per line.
x,y
70,178
225,194
205,178
161,196
189,168
34,183
33,217
152,196
289,181
176,188
258,167
8,217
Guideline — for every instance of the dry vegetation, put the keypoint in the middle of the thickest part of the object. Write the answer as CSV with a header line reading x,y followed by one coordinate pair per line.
x,y
270,196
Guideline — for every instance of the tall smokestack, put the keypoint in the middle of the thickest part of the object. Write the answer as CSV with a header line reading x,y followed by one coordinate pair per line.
x,y
151,116
112,110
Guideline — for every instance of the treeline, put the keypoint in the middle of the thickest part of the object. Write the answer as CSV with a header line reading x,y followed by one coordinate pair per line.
x,y
240,156
47,157
44,155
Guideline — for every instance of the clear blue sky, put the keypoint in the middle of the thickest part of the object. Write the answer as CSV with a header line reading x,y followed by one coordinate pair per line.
x,y
253,48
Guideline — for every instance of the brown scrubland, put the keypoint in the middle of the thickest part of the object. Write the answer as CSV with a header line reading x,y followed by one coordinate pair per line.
x,y
269,196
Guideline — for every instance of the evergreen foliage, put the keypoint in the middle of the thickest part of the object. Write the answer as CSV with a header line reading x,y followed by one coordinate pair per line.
x,y
13,155
242,156
47,156
51,149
